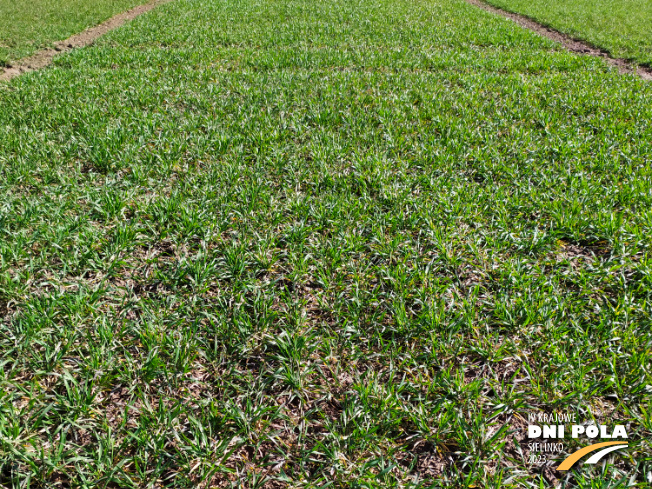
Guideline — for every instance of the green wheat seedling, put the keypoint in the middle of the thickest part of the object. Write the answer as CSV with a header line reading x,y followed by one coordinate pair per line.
x,y
320,244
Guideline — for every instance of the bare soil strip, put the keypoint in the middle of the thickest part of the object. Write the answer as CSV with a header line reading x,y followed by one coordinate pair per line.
x,y
43,58
567,41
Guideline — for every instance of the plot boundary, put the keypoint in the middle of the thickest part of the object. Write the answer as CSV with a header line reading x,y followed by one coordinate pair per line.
x,y
44,57
570,43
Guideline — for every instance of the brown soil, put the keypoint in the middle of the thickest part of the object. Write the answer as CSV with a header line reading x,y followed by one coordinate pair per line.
x,y
44,57
567,41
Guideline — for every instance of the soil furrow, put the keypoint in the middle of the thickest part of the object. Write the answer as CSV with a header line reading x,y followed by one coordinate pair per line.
x,y
569,42
44,57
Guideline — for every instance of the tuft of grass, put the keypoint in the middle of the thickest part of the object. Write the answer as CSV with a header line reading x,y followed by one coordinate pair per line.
x,y
621,27
26,27
321,244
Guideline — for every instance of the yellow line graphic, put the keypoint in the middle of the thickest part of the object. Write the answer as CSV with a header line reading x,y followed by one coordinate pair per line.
x,y
570,461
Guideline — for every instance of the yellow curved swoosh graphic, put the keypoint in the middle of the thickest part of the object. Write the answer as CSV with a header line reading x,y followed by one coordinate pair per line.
x,y
574,457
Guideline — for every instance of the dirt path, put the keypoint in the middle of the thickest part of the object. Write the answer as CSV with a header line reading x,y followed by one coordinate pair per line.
x,y
43,58
567,41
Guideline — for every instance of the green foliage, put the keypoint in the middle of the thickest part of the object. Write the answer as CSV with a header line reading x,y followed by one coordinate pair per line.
x,y
28,26
622,27
320,244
